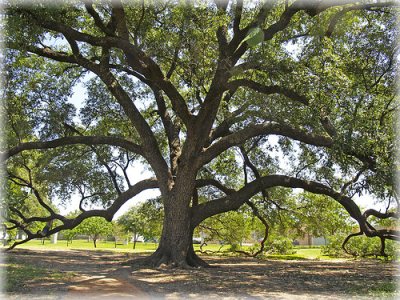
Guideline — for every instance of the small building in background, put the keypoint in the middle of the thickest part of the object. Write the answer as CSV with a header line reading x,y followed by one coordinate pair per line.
x,y
310,240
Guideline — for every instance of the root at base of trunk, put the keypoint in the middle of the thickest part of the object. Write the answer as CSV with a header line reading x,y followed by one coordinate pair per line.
x,y
165,260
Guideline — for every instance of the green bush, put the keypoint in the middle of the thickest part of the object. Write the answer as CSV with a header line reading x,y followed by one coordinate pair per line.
x,y
392,249
334,246
364,246
279,245
234,247
359,246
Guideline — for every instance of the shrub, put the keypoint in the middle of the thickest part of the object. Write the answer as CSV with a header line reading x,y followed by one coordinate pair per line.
x,y
363,246
234,247
392,249
279,245
334,246
359,246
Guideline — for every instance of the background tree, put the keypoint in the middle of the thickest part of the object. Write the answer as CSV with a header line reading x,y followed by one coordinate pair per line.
x,y
118,232
322,217
240,99
133,223
70,234
95,227
144,220
230,228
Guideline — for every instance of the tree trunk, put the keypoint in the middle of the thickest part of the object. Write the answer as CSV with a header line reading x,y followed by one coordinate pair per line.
x,y
176,243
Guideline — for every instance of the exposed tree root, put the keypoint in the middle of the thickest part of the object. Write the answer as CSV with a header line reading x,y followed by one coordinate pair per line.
x,y
163,259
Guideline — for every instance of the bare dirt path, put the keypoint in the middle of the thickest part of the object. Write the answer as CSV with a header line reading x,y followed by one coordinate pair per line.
x,y
102,275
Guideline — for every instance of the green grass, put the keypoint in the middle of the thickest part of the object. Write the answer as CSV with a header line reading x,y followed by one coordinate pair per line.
x,y
301,252
19,274
311,253
383,289
212,248
107,245
378,290
86,245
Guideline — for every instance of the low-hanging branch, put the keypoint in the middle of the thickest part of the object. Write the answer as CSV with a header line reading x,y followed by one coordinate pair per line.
x,y
234,200
70,223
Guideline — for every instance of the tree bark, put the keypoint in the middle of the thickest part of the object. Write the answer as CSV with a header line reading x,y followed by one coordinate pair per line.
x,y
176,235
176,243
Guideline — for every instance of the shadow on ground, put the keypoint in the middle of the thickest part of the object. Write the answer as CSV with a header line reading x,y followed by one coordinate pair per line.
x,y
95,274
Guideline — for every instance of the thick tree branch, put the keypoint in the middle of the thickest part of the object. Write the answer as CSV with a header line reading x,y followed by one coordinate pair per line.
x,y
172,130
222,30
234,200
268,90
149,142
379,215
75,140
336,18
238,16
96,18
215,183
49,53
136,58
105,213
118,13
112,174
267,128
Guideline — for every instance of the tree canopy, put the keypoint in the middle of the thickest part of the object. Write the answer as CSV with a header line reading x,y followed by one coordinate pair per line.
x,y
221,101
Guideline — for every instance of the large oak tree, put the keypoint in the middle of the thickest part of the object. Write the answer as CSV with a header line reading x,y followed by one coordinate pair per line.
x,y
221,101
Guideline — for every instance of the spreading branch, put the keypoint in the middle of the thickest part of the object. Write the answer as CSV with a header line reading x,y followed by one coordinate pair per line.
x,y
268,128
234,200
70,223
74,140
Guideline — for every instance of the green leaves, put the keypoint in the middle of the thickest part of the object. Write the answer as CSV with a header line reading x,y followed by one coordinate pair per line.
x,y
144,219
95,227
254,37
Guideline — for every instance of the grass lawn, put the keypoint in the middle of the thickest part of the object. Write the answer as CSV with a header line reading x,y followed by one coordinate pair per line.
x,y
106,245
301,252
379,290
86,245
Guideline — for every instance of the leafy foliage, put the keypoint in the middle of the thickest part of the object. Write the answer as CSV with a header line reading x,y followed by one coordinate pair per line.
x,y
143,220
279,245
95,227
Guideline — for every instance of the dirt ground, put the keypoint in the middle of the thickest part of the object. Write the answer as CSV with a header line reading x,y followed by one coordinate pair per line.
x,y
102,275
